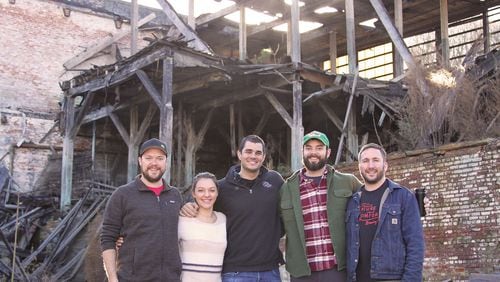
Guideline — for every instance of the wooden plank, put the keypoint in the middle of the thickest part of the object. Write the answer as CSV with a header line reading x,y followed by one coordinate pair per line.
x,y
121,74
121,129
297,130
200,81
178,152
204,19
393,33
398,20
242,34
91,51
167,112
332,116
323,92
150,87
295,34
445,41
346,119
67,154
83,110
280,109
232,130
191,19
350,35
134,28
262,122
133,143
190,36
146,122
333,52
229,99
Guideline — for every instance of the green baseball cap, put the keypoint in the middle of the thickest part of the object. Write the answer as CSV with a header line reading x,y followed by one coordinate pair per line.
x,y
316,135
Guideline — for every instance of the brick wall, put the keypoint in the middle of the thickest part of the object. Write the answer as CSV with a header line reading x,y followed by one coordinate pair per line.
x,y
462,228
36,39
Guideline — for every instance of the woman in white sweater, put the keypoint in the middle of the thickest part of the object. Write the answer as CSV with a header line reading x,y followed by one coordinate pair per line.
x,y
202,239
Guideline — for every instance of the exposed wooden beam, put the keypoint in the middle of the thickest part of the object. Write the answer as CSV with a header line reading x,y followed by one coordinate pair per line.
x,y
67,155
91,51
167,112
150,87
393,33
280,109
121,129
83,110
190,36
243,34
332,116
134,26
133,146
121,74
206,18
445,41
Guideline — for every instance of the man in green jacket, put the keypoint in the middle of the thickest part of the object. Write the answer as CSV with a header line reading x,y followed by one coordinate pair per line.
x,y
313,203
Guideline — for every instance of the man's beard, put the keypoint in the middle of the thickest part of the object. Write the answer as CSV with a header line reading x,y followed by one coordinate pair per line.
x,y
378,177
151,178
314,166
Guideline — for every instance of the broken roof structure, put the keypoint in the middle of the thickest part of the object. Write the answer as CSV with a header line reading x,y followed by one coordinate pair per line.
x,y
180,89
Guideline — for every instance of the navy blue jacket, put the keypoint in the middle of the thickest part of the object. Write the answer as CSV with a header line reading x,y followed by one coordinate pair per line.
x,y
253,221
398,245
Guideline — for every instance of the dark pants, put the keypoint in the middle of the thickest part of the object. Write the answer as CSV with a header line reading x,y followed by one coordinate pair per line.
x,y
330,275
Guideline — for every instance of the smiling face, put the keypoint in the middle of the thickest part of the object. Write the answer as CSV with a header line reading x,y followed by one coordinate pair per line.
x,y
251,157
315,155
153,165
372,167
205,193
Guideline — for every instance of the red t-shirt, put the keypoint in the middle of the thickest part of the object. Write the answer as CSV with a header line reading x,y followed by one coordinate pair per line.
x,y
156,190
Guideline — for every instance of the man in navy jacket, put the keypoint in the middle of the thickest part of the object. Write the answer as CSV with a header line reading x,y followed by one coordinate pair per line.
x,y
385,239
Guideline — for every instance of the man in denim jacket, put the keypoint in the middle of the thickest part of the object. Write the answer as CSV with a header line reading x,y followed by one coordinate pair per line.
x,y
385,239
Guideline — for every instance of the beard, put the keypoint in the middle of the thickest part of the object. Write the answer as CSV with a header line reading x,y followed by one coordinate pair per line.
x,y
314,166
374,180
150,177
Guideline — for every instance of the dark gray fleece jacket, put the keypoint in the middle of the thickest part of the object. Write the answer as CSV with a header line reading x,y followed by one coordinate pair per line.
x,y
148,223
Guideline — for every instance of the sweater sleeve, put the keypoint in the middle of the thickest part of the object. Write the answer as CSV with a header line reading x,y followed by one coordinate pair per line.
x,y
112,221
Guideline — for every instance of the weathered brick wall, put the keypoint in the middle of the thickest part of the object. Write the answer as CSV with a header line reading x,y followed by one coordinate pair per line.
x,y
36,39
462,227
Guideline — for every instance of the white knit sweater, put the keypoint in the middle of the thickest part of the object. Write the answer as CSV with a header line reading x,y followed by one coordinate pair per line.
x,y
202,247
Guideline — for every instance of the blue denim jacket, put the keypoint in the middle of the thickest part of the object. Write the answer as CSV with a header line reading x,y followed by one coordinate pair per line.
x,y
398,245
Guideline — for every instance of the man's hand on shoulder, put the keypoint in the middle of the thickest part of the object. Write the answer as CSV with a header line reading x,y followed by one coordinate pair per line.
x,y
189,210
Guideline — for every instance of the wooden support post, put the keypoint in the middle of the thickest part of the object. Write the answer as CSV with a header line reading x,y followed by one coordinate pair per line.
x,y
297,131
346,119
67,154
167,112
333,52
289,38
133,22
350,118
243,34
241,128
178,152
445,41
191,18
393,33
398,20
232,130
486,31
133,150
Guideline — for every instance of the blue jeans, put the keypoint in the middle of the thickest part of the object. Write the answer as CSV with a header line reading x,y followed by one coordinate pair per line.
x,y
252,276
